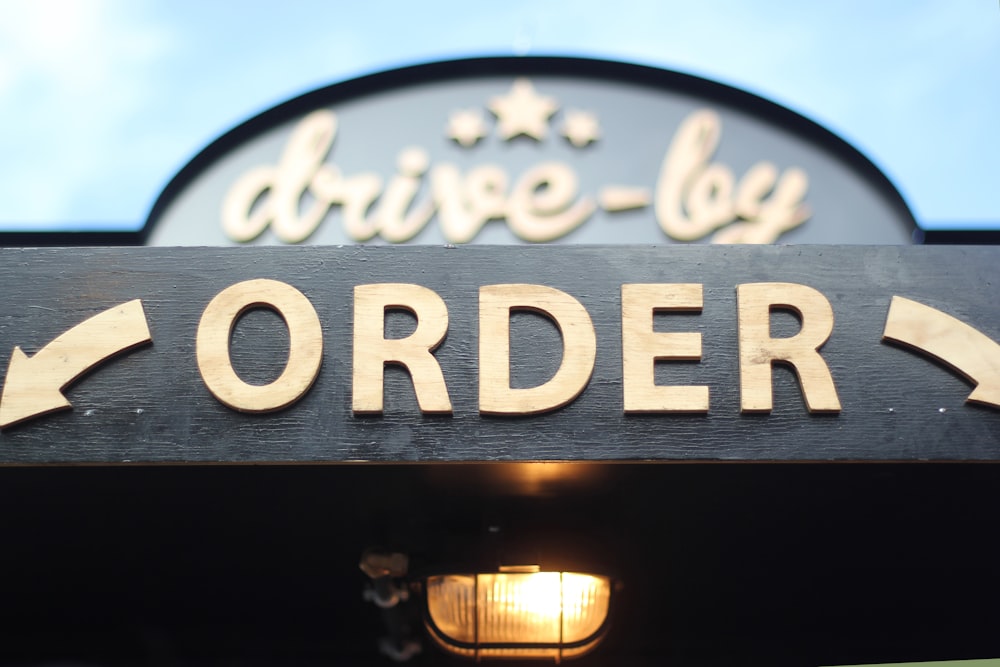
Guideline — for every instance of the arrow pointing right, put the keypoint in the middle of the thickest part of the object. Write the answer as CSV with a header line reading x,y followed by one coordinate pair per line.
x,y
961,347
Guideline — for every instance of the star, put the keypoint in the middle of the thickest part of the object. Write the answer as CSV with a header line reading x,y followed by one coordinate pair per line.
x,y
580,128
523,111
466,126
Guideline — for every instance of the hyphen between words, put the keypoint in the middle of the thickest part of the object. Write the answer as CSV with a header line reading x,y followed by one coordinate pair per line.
x,y
642,347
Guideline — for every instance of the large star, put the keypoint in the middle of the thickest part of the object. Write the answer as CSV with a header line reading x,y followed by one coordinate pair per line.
x,y
523,111
466,126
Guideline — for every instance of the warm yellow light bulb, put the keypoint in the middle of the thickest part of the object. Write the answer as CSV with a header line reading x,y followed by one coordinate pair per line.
x,y
518,614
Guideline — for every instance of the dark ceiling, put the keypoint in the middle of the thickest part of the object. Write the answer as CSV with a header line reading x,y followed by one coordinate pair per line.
x,y
721,564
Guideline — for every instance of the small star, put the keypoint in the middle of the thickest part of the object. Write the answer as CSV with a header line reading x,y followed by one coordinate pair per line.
x,y
523,111
581,128
466,126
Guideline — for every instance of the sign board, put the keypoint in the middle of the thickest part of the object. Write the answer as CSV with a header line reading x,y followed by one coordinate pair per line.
x,y
767,353
527,150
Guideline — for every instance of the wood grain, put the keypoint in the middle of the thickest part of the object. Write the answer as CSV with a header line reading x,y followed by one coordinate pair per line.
x,y
642,347
759,351
305,352
152,405
373,351
579,349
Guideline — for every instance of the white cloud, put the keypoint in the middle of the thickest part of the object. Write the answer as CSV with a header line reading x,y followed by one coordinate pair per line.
x,y
71,71
101,99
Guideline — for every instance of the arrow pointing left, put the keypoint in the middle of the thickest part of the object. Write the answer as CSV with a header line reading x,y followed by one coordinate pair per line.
x,y
34,384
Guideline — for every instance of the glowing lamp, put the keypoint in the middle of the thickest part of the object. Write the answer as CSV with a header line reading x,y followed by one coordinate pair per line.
x,y
518,612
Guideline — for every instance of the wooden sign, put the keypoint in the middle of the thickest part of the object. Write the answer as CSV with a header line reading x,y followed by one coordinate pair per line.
x,y
486,354
528,150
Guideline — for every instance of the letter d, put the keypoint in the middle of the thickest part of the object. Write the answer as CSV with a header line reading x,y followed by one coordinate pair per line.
x,y
496,397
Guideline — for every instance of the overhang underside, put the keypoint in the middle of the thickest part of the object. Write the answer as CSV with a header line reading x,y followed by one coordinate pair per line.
x,y
721,564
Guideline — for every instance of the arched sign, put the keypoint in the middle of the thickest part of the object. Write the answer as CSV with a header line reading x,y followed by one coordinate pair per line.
x,y
529,150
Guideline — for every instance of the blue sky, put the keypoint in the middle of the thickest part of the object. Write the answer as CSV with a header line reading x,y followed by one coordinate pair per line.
x,y
102,101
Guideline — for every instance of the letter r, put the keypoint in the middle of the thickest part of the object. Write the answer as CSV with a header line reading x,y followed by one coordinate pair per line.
x,y
758,351
372,350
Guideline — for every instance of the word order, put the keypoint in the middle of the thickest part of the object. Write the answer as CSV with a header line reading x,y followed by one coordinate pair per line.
x,y
642,347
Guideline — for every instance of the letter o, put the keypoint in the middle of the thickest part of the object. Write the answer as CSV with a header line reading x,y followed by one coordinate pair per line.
x,y
305,352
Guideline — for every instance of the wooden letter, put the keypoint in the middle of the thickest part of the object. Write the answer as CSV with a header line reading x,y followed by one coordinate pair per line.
x,y
372,350
642,348
496,397
305,352
801,351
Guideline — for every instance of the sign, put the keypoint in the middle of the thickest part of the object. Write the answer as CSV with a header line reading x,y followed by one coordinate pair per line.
x,y
529,150
467,353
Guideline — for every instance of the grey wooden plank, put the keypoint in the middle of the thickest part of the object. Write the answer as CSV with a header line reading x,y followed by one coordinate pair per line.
x,y
150,405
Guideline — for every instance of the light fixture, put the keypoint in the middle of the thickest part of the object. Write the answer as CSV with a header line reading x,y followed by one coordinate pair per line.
x,y
518,612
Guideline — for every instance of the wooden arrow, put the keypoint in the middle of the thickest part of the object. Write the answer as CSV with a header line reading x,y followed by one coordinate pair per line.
x,y
963,348
34,385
